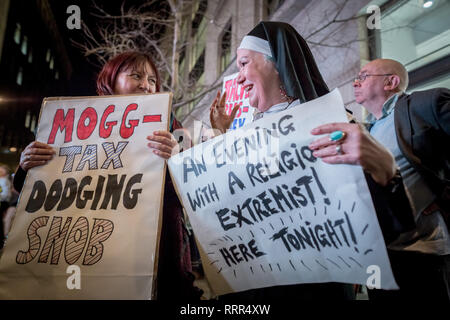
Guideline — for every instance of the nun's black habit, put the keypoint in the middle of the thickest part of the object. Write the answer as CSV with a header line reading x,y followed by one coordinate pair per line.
x,y
293,60
302,80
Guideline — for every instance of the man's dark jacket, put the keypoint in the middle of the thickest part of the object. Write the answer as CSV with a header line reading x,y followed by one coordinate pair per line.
x,y
422,124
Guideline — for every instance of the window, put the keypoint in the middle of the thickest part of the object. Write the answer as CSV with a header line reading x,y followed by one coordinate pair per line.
x,y
17,33
24,47
199,68
33,124
57,75
415,34
442,82
48,55
27,119
271,6
225,48
199,15
19,78
52,63
30,56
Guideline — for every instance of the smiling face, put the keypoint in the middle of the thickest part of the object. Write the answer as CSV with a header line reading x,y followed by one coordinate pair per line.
x,y
136,80
259,78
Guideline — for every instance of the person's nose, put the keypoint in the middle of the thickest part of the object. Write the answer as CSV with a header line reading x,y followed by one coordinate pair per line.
x,y
240,78
144,85
356,83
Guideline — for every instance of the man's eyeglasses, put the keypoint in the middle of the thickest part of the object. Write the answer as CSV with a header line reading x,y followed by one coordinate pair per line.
x,y
362,77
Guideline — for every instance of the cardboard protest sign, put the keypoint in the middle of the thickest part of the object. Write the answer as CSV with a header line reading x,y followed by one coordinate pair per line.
x,y
237,96
266,212
87,223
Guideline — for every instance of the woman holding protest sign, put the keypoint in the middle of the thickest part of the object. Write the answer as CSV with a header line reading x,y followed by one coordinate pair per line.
x,y
279,72
135,73
127,73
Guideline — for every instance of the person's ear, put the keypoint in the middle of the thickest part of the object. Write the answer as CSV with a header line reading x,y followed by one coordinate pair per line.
x,y
392,83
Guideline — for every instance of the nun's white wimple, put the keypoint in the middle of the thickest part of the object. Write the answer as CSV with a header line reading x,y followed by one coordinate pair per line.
x,y
256,44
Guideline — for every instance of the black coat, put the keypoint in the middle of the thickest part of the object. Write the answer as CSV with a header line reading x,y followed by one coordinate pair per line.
x,y
422,124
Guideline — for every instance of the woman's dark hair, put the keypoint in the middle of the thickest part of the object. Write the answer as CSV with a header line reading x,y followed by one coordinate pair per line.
x,y
107,76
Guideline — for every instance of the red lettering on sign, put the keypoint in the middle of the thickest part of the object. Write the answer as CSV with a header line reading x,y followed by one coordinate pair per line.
x,y
236,90
233,91
127,131
228,84
105,132
152,118
63,123
84,131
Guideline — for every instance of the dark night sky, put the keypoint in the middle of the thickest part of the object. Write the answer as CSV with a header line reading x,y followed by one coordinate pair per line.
x,y
84,72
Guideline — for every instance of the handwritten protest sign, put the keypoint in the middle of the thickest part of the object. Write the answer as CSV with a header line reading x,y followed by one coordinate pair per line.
x,y
237,96
87,222
266,212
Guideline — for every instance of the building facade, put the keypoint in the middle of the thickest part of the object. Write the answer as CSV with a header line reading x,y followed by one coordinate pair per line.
x,y
34,64
219,29
343,35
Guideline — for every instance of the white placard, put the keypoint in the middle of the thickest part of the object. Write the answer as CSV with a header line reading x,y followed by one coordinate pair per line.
x,y
266,212
235,95
87,223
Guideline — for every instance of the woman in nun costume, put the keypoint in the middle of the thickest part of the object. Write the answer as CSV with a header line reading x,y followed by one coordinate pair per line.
x,y
278,70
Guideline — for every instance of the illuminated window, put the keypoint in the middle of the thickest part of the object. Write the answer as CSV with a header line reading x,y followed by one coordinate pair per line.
x,y
33,124
27,119
24,47
52,63
57,75
19,78
30,56
47,56
17,33
416,35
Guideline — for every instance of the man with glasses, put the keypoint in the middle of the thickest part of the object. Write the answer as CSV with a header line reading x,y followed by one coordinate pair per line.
x,y
416,129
